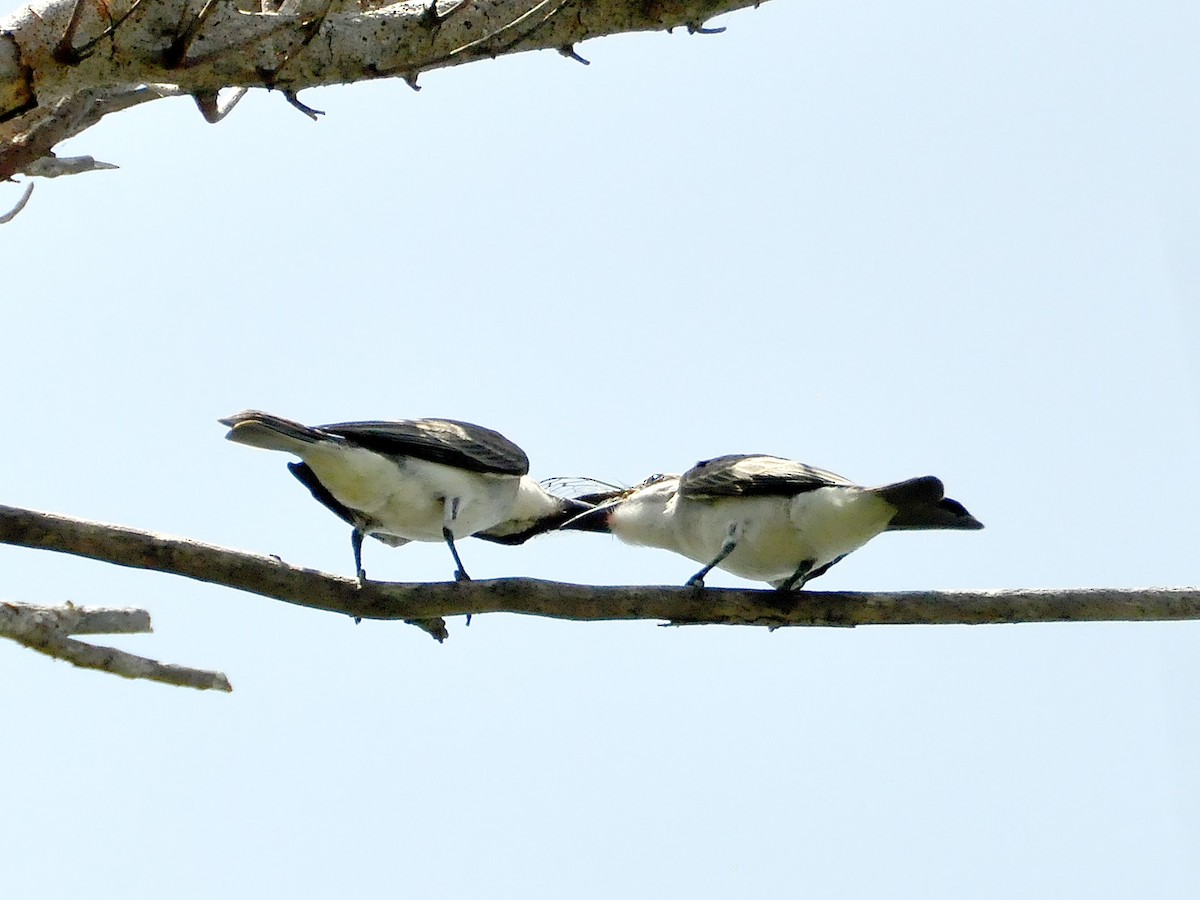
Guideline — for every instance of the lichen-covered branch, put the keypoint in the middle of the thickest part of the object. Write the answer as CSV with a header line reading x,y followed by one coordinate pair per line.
x,y
48,630
271,577
62,60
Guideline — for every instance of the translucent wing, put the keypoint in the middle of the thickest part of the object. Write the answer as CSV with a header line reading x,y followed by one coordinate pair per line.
x,y
582,488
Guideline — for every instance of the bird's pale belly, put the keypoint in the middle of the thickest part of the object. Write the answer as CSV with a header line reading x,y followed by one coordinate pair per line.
x,y
767,547
415,499
775,535
764,551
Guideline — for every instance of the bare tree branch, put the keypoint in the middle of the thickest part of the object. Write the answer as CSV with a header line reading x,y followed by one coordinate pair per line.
x,y
72,619
20,205
62,64
48,630
271,577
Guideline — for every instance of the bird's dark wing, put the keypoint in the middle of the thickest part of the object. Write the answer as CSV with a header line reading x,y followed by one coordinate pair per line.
x,y
749,475
458,444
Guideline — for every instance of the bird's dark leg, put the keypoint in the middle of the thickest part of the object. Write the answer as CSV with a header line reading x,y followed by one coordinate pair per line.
x,y
356,541
697,580
816,573
797,579
461,573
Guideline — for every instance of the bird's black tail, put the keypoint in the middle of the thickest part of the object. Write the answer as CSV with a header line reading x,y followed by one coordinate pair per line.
x,y
260,429
921,505
601,504
518,532
594,520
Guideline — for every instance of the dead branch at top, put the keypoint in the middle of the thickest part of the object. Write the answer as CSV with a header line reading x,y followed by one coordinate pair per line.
x,y
63,63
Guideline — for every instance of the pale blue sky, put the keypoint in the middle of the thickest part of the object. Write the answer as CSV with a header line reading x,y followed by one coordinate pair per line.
x,y
886,239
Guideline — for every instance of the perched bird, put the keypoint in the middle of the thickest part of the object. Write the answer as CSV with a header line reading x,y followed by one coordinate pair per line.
x,y
766,518
413,480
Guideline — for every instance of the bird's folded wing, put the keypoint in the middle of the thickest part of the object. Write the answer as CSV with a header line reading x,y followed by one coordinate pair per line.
x,y
748,475
458,444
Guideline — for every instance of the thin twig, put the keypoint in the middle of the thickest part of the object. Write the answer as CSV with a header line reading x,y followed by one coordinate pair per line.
x,y
12,213
57,166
